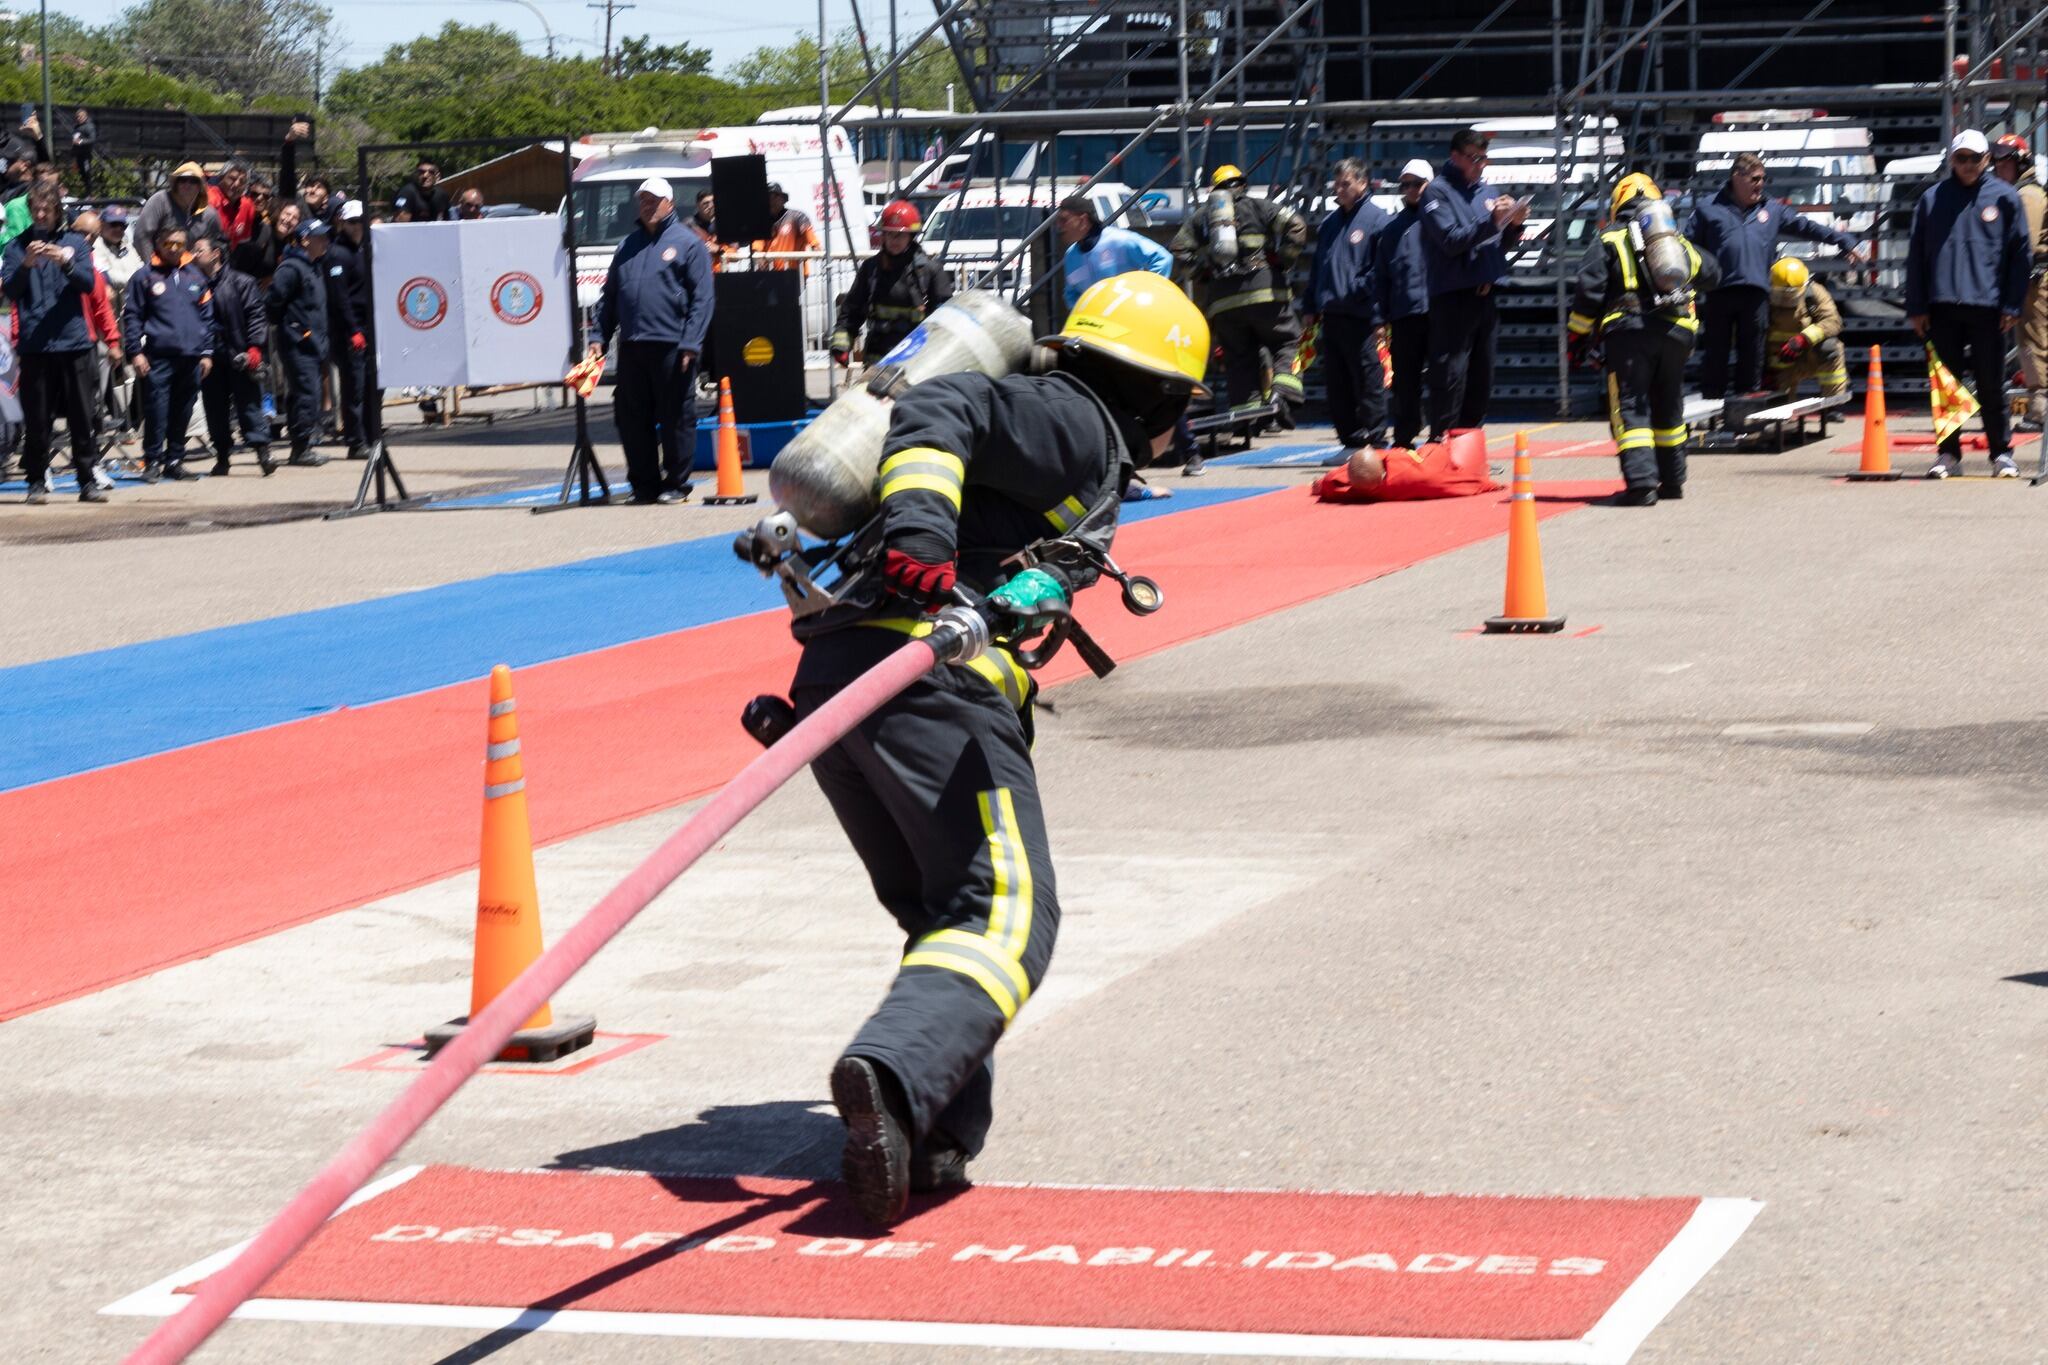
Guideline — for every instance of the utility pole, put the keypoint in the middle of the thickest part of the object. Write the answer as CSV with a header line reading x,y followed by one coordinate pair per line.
x,y
49,117
610,8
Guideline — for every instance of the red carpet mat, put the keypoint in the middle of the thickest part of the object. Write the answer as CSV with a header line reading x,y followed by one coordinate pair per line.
x,y
1175,1270
125,870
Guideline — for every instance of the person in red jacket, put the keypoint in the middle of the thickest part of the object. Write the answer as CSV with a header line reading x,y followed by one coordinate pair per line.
x,y
234,209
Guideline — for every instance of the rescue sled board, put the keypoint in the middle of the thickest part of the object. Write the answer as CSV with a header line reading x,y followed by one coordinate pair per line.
x,y
1183,1271
1772,429
1233,424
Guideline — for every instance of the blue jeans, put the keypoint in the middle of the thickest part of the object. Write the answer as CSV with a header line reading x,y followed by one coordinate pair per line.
x,y
168,392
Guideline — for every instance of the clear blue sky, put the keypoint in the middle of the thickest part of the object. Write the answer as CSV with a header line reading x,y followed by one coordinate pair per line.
x,y
730,31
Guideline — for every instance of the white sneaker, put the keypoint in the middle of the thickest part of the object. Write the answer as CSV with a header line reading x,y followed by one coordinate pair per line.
x,y
2002,467
1944,466
101,479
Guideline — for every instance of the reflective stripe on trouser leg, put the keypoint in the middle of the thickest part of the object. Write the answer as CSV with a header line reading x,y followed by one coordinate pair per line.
x,y
1666,383
941,778
1630,369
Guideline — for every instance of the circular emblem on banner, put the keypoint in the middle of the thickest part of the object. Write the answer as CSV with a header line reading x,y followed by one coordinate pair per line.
x,y
1357,236
515,297
758,351
422,303
668,254
1990,213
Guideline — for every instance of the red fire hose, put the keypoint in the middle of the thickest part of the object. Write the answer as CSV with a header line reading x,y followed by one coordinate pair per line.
x,y
487,1034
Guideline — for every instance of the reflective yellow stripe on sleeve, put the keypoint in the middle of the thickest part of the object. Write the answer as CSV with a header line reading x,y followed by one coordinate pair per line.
x,y
1067,514
1578,324
923,468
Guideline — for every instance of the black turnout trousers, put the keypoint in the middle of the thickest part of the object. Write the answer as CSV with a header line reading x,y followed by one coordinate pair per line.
x,y
1353,375
1462,326
1408,342
1742,312
1970,342
937,793
1249,334
1646,403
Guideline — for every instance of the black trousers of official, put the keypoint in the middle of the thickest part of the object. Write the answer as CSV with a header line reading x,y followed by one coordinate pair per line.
x,y
1354,378
169,392
54,383
1646,404
1971,343
1462,326
303,362
233,397
938,795
654,404
1742,312
1248,334
1408,342
351,371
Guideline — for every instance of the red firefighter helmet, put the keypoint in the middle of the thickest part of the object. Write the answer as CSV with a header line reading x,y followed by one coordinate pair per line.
x,y
2012,144
901,216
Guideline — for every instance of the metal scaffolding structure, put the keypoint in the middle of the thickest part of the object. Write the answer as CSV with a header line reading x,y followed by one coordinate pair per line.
x,y
1151,93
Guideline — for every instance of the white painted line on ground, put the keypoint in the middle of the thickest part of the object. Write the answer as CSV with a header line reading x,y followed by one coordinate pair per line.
x,y
1683,1263
1757,730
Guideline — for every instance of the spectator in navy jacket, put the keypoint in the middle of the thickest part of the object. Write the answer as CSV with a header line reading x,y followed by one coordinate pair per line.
x,y
657,299
168,324
1400,281
1740,229
1467,227
1966,277
1341,297
49,277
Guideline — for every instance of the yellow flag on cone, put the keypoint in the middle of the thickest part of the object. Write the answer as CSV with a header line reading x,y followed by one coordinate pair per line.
x,y
1953,404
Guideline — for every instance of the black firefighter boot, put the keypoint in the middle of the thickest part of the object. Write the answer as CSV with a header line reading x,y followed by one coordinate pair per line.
x,y
876,1161
264,462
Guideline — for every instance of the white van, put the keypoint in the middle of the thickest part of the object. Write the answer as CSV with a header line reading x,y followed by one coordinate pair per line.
x,y
1819,166
973,229
610,167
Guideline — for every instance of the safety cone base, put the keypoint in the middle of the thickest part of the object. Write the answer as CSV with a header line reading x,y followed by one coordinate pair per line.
x,y
1881,476
739,501
569,1033
1524,625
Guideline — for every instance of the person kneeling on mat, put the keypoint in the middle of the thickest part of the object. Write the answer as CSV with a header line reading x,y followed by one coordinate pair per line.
x,y
1440,469
936,789
1806,332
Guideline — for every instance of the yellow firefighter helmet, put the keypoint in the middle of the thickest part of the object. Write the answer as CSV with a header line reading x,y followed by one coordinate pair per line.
x,y
1223,175
1636,186
1142,320
1790,273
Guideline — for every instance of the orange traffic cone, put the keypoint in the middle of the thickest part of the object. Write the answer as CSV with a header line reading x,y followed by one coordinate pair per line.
x,y
507,901
731,492
1877,443
1526,610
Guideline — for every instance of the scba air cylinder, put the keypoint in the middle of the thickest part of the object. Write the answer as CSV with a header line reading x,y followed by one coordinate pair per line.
x,y
826,475
1663,250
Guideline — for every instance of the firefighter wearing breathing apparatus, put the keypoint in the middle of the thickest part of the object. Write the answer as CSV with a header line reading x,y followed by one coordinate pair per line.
x,y
1238,251
1804,340
1637,292
936,789
893,290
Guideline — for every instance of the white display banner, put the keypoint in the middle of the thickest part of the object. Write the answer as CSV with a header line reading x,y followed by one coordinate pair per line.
x,y
471,303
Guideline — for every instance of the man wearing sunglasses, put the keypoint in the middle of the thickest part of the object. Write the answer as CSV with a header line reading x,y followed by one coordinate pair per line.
x,y
1966,279
1740,228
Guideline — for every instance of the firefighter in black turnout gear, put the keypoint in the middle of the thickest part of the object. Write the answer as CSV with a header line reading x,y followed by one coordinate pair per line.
x,y
1239,249
893,290
1637,296
936,789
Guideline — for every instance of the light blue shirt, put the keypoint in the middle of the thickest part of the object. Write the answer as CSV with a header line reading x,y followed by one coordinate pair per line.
x,y
1111,251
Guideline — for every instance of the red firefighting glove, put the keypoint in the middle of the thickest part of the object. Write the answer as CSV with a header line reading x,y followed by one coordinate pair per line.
x,y
358,342
253,357
1582,349
1793,348
930,584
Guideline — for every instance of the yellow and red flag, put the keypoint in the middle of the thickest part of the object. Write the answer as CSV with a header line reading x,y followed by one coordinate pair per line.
x,y
585,376
1953,404
1305,354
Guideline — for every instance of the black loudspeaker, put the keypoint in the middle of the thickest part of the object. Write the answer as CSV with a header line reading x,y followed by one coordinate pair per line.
x,y
741,185
757,333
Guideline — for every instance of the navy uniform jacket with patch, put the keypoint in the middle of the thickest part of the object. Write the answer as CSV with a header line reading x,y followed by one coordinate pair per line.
x,y
1461,246
1744,241
1400,277
169,312
659,287
49,299
298,301
1969,247
348,290
1343,283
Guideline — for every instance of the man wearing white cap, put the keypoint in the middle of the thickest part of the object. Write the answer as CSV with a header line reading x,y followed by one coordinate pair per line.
x,y
1966,279
1400,280
658,298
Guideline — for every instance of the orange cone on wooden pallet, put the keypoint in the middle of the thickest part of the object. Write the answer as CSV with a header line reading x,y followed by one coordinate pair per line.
x,y
1526,610
731,492
1877,445
507,900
